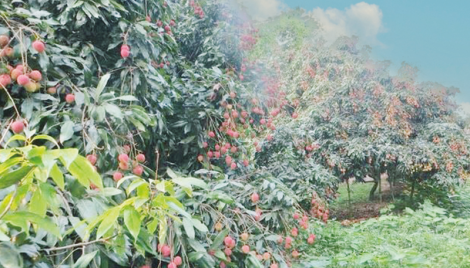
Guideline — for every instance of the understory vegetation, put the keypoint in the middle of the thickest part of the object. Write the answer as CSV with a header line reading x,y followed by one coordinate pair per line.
x,y
426,237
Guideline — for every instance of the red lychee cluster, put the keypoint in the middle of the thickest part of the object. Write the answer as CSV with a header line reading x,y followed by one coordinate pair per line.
x,y
197,9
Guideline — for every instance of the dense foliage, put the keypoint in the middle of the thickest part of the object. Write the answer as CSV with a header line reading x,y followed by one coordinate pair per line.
x,y
139,87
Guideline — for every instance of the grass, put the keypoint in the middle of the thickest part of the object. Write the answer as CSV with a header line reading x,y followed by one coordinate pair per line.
x,y
359,194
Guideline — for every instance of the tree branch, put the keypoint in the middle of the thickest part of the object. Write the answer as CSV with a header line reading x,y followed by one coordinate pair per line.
x,y
103,240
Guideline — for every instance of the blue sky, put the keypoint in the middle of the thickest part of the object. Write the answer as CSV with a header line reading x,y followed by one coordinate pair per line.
x,y
433,35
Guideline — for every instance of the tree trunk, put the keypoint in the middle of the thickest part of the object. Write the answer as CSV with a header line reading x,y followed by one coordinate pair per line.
x,y
372,191
390,182
380,185
412,190
349,193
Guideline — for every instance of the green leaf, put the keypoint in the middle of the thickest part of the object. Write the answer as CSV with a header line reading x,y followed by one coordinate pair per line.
x,y
7,178
21,218
84,172
66,131
85,260
108,221
101,85
161,186
4,237
218,195
113,110
252,262
134,185
67,156
110,191
9,163
199,225
15,138
189,228
188,139
132,221
190,181
5,154
194,256
38,204
45,137
57,176
152,226
163,230
365,258
10,257
126,98
219,239
125,179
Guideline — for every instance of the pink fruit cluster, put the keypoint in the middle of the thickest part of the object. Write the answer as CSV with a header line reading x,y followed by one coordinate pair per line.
x,y
235,125
197,9
168,29
318,210
124,164
177,261
28,80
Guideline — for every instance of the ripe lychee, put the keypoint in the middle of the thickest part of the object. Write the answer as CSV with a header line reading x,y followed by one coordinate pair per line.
x,y
123,158
17,127
52,90
166,251
39,46
35,75
5,80
92,159
244,236
69,98
138,170
15,73
140,158
246,249
22,80
125,53
32,86
177,260
117,176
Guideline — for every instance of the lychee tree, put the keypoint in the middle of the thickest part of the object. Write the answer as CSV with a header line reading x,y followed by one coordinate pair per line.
x,y
344,112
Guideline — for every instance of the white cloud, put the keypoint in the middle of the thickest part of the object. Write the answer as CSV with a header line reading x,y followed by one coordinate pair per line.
x,y
362,19
464,109
262,9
